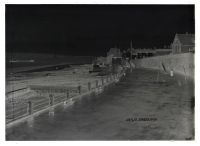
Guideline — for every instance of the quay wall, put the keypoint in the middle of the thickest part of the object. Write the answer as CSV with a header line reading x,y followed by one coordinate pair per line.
x,y
17,112
182,64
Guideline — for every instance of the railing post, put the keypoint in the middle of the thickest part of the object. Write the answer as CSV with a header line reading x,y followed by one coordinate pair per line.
x,y
102,81
13,110
51,100
68,94
30,107
96,83
89,86
111,77
171,73
67,97
79,89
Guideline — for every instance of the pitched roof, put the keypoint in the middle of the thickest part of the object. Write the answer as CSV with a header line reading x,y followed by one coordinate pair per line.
x,y
186,39
115,52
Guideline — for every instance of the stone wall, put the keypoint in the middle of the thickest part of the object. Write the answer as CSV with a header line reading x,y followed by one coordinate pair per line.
x,y
180,63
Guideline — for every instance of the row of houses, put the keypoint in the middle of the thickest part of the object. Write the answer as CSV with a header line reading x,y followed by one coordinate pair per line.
x,y
140,53
182,43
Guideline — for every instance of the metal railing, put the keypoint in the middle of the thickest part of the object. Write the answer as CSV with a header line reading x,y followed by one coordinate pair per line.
x,y
22,108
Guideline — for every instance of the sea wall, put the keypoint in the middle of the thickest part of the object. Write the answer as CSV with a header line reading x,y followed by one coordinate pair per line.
x,y
182,64
47,99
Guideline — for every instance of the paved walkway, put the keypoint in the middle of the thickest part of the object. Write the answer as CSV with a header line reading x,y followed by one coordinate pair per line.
x,y
146,105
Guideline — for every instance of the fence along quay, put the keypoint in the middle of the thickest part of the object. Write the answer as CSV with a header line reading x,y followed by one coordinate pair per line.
x,y
48,97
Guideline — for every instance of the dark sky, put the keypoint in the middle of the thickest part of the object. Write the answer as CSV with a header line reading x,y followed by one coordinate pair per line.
x,y
93,29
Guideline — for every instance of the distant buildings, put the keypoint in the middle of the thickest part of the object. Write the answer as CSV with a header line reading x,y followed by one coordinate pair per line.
x,y
142,53
148,52
183,43
160,52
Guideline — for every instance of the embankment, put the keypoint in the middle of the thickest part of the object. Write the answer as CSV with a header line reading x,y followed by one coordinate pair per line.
x,y
182,64
48,97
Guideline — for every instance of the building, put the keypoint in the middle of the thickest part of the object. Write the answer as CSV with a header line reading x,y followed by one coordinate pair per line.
x,y
140,53
114,55
160,52
183,43
114,52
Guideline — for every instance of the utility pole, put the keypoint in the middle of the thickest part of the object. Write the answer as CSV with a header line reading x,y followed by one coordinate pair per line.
x,y
130,57
131,50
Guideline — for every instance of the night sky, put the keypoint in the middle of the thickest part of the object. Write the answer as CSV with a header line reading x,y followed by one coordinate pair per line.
x,y
93,29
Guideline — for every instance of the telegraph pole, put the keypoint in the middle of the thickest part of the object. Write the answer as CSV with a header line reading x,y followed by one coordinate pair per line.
x,y
131,56
131,50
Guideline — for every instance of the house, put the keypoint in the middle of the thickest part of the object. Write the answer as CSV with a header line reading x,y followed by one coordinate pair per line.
x,y
183,43
114,52
114,56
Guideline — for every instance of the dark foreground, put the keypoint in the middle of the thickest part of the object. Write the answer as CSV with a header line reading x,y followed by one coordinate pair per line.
x,y
143,106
